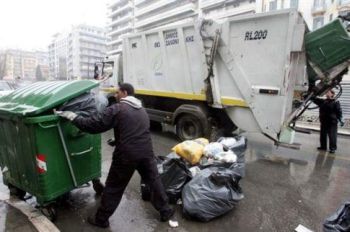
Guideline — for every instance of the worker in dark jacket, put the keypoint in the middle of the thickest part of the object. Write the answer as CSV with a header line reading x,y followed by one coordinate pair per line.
x,y
133,151
330,114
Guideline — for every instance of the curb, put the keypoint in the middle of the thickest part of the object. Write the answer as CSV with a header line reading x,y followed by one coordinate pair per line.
x,y
38,220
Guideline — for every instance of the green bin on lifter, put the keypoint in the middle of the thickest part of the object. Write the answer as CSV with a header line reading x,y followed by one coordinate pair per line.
x,y
327,47
41,153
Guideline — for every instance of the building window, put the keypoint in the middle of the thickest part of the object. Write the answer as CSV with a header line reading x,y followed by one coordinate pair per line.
x,y
282,4
318,22
330,17
294,4
273,5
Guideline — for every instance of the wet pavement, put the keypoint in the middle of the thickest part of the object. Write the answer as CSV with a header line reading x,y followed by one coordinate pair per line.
x,y
282,188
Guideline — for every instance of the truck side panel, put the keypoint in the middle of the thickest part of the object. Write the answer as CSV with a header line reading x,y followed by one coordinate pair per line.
x,y
168,62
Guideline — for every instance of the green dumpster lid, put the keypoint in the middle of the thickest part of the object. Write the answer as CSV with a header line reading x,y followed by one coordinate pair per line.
x,y
41,96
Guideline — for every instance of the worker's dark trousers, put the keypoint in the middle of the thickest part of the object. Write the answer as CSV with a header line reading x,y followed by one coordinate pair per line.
x,y
329,130
119,175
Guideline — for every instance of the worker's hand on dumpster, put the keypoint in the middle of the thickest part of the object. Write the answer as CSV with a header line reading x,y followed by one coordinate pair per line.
x,y
67,114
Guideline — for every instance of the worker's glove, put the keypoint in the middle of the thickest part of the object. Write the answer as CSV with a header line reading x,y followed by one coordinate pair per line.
x,y
67,114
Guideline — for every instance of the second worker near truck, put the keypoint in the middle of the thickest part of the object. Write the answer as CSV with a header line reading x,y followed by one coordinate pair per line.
x,y
133,151
330,114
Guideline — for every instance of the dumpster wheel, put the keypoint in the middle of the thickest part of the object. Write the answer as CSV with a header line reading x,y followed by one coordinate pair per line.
x,y
50,212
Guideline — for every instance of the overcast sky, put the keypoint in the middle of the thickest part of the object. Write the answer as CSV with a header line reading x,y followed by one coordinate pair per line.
x,y
30,24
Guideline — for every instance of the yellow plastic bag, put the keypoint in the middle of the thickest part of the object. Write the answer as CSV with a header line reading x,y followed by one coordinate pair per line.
x,y
191,150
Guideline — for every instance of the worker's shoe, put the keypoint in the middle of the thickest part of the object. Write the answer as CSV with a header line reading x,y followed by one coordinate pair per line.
x,y
332,151
92,221
165,216
321,149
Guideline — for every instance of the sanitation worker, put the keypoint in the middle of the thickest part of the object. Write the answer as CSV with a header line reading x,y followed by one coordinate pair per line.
x,y
330,114
133,151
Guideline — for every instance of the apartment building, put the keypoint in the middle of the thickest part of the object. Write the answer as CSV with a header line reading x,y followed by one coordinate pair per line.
x,y
19,64
72,54
139,15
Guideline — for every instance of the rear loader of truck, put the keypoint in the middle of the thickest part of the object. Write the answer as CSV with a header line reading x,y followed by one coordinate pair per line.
x,y
256,72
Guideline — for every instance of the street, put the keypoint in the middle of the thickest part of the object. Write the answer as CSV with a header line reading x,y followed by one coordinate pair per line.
x,y
283,188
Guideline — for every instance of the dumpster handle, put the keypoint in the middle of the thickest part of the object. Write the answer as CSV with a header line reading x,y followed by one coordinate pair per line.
x,y
46,127
82,152
67,155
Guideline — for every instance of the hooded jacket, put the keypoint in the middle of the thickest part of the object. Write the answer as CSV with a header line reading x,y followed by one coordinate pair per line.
x,y
131,127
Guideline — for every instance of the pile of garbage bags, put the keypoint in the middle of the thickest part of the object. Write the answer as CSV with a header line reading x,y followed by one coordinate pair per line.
x,y
204,175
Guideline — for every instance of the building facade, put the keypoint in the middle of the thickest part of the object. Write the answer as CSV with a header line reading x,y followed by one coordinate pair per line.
x,y
139,15
315,12
19,64
72,54
122,22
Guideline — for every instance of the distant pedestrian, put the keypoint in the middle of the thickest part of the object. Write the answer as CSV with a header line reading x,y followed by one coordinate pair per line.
x,y
330,114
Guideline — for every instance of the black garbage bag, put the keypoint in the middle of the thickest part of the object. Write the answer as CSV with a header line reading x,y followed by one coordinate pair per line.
x,y
174,174
86,104
339,221
211,193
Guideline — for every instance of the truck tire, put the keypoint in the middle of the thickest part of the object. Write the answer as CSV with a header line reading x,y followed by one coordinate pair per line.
x,y
189,127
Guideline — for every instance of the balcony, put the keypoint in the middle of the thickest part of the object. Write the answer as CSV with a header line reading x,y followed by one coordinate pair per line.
x,y
120,9
121,19
152,7
114,3
319,9
139,2
117,41
244,9
190,7
120,29
206,4
113,52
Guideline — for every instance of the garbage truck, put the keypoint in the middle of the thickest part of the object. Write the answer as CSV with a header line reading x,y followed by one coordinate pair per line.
x,y
255,72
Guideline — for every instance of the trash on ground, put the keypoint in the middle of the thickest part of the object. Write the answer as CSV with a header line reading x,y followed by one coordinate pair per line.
x,y
339,221
174,175
226,157
301,228
238,147
212,193
173,155
212,149
191,150
194,170
173,224
227,142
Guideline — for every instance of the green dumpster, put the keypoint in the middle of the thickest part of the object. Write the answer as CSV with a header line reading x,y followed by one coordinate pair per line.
x,y
41,153
327,47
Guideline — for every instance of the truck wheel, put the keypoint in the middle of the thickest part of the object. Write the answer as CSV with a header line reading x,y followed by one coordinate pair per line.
x,y
189,127
14,191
